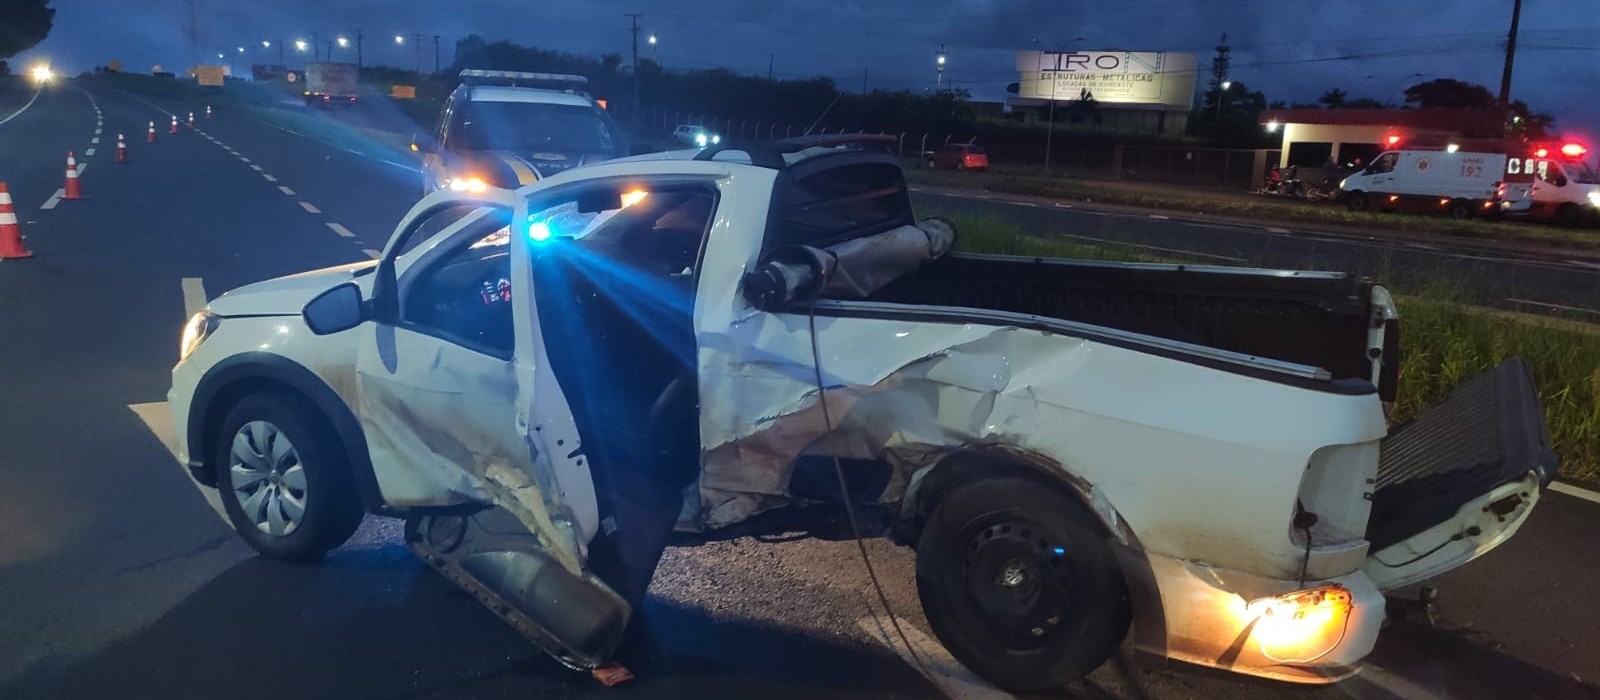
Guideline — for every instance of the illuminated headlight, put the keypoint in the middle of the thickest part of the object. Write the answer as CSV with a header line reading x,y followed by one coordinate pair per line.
x,y
1342,183
467,184
1594,198
700,140
43,74
716,139
195,332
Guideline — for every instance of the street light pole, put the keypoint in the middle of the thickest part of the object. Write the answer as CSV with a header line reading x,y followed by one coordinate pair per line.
x,y
939,58
1050,129
358,50
1222,89
634,17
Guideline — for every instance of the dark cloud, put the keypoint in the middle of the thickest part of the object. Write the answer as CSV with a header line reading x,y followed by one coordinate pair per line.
x,y
1291,50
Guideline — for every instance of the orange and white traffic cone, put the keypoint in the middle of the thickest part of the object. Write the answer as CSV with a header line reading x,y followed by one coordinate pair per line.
x,y
208,112
10,232
151,137
191,120
122,149
174,124
73,190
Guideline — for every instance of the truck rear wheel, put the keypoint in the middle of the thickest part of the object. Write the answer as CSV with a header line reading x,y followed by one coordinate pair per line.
x,y
1020,584
1460,209
1568,214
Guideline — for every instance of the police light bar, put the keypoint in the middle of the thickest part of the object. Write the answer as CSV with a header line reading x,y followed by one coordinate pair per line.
x,y
515,76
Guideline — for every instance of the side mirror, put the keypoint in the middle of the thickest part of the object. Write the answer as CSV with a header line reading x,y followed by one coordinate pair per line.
x,y
337,309
420,146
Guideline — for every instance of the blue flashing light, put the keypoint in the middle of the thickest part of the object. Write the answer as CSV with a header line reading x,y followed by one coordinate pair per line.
x,y
1060,551
539,231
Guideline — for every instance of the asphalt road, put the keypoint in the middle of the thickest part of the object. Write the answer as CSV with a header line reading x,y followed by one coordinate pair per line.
x,y
117,579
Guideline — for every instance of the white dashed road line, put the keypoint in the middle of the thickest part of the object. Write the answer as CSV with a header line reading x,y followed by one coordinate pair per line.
x,y
374,254
286,190
88,151
341,230
53,200
1274,229
310,208
1060,205
243,159
1162,217
95,140
1192,253
269,177
82,167
1575,492
255,167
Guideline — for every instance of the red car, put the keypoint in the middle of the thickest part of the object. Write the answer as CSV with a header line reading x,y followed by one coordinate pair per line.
x,y
960,156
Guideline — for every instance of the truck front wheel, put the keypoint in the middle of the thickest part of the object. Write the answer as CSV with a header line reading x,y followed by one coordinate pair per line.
x,y
1020,584
1357,201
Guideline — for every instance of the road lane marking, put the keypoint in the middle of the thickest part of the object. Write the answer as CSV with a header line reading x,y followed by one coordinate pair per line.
x,y
269,177
97,129
1109,241
1162,217
374,254
941,669
286,190
1274,229
82,167
88,152
1575,492
1060,205
194,295
23,108
310,208
243,159
1551,305
1021,204
54,199
255,167
158,420
402,166
95,140
341,230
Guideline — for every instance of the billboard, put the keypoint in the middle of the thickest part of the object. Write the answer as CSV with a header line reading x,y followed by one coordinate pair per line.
x,y
1148,78
209,75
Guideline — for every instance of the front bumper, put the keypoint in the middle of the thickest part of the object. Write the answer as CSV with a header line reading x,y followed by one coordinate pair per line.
x,y
179,399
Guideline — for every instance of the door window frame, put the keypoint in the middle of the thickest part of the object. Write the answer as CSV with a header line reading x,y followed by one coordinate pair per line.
x,y
430,253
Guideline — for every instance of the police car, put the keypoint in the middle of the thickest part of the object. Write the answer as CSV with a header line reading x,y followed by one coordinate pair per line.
x,y
507,129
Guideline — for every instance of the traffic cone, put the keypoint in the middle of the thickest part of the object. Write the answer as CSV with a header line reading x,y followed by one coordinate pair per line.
x,y
191,120
122,148
73,190
10,232
208,112
151,137
174,124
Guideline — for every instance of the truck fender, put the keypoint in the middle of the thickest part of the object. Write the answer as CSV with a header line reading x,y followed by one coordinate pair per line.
x,y
927,486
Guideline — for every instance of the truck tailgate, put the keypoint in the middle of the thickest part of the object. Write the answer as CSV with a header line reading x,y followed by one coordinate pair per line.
x,y
1486,438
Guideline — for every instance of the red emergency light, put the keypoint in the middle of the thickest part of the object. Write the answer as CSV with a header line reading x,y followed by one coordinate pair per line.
x,y
1393,139
1541,152
1573,150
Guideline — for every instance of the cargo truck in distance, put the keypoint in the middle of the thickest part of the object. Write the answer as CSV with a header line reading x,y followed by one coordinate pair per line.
x,y
331,83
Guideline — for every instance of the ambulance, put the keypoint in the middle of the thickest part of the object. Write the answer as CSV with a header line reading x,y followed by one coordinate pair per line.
x,y
1464,178
1566,189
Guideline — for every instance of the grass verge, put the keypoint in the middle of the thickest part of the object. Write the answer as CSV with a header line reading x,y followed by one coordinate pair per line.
x,y
1223,203
1444,343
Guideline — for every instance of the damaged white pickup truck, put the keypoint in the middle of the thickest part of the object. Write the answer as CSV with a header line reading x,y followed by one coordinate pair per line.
x,y
547,383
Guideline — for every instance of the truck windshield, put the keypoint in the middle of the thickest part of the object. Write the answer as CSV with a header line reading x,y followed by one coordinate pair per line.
x,y
1586,175
533,126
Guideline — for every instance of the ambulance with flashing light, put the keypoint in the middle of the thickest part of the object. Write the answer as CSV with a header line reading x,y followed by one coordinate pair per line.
x,y
1567,190
1460,179
507,129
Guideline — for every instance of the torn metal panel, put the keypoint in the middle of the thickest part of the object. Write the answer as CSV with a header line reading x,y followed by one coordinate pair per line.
x,y
909,392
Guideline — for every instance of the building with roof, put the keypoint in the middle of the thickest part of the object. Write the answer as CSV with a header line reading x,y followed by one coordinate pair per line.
x,y
1312,137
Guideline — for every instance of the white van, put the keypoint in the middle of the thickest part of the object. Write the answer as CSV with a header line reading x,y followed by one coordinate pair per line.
x,y
1567,193
1458,183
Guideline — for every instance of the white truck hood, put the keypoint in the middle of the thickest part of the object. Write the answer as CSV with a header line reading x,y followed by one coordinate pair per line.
x,y
284,296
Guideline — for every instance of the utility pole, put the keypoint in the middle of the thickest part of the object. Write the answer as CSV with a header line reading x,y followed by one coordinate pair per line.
x,y
316,46
436,54
192,27
634,17
770,58
358,50
938,83
1511,54
863,81
416,46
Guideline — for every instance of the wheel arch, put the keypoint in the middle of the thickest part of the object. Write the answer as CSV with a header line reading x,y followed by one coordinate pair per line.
x,y
232,379
972,463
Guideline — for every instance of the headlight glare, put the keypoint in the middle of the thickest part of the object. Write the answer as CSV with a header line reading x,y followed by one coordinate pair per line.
x,y
195,332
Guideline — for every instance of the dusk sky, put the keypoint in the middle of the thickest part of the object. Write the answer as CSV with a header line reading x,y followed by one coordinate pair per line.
x,y
1291,50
